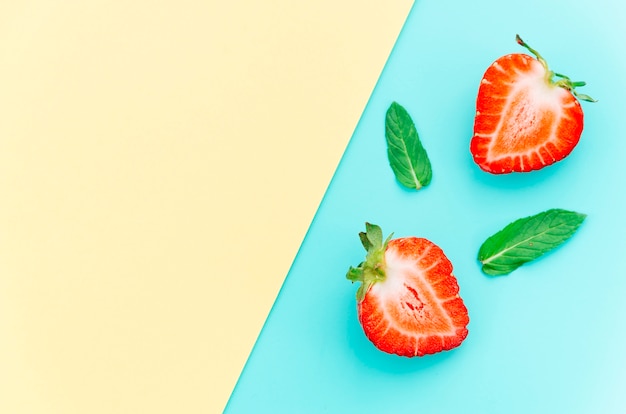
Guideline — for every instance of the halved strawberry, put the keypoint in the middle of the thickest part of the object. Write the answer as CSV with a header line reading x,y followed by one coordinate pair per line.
x,y
525,118
408,302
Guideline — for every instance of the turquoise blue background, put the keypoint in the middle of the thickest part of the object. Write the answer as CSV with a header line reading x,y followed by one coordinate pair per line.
x,y
548,338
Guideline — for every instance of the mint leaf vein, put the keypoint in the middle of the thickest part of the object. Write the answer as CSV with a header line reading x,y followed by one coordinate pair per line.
x,y
527,239
407,157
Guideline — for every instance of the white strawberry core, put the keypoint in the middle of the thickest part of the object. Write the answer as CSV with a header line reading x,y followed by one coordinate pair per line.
x,y
531,113
408,297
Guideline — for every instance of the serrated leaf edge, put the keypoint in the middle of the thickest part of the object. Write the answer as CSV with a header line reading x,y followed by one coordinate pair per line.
x,y
489,268
408,178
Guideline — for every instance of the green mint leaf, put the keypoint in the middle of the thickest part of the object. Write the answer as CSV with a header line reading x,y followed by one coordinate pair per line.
x,y
407,157
527,239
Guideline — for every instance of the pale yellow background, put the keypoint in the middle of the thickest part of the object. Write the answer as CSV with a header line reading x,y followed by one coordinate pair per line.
x,y
160,163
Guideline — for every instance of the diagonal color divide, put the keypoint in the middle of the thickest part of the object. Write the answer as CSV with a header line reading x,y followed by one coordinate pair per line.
x,y
533,343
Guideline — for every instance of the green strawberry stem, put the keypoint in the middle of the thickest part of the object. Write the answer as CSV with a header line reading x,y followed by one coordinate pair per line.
x,y
563,81
371,270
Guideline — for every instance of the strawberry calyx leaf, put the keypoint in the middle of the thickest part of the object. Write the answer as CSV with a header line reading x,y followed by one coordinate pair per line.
x,y
562,81
372,269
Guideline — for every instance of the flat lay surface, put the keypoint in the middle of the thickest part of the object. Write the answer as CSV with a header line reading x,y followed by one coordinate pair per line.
x,y
143,147
545,338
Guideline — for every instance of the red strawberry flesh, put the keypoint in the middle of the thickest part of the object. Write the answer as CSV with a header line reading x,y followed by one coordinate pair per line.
x,y
525,120
416,310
